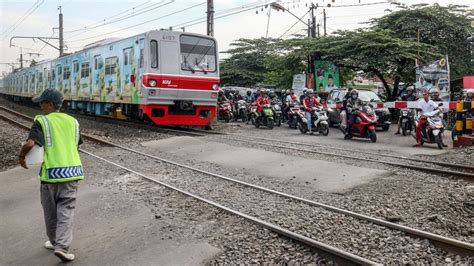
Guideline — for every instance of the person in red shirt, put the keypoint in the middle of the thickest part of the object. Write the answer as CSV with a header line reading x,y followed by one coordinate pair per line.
x,y
261,101
308,104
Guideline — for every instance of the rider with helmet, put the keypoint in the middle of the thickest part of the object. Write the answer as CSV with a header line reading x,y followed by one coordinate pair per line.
x,y
302,96
248,97
261,101
435,96
221,97
409,97
353,104
309,102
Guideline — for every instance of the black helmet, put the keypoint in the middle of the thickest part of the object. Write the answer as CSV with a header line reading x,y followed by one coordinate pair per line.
x,y
249,93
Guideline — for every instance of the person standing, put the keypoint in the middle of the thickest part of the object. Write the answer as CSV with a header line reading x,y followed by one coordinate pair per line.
x,y
58,134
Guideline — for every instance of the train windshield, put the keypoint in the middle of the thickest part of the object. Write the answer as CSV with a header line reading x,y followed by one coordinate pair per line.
x,y
198,54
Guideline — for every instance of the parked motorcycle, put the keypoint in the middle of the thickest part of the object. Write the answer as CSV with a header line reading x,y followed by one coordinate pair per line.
x,y
225,111
265,118
294,113
319,119
364,126
406,121
433,131
241,111
277,113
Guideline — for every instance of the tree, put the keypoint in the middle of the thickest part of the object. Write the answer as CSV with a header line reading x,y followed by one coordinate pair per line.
x,y
246,64
373,51
445,28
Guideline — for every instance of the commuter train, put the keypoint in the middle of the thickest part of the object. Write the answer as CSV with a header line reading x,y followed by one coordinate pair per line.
x,y
168,77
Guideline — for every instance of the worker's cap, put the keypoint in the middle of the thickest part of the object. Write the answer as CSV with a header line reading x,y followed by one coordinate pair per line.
x,y
49,95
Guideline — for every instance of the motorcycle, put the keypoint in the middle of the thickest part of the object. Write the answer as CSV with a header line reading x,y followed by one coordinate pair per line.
x,y
433,130
294,113
319,119
225,111
241,111
277,113
406,121
265,118
364,126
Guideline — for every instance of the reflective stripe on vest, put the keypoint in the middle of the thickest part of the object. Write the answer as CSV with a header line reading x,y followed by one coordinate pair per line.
x,y
47,131
65,172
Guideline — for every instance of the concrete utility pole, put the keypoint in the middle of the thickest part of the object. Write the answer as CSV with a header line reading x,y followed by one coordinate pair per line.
x,y
61,37
324,21
21,58
210,17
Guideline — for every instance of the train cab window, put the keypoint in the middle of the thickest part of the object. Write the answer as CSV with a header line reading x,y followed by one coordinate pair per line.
x,y
85,70
198,53
66,72
111,65
154,53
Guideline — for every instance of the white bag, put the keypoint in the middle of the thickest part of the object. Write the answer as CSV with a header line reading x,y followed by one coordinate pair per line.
x,y
34,156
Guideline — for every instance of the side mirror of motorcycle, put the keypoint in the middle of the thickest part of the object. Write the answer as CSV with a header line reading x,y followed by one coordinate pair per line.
x,y
337,99
440,104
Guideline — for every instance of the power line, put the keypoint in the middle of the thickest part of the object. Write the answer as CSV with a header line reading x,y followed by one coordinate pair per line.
x,y
139,24
141,11
293,25
24,17
29,9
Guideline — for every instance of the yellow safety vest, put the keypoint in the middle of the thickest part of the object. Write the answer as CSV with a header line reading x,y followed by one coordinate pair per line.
x,y
61,161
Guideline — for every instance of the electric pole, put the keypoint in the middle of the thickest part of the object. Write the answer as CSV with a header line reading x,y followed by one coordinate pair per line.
x,y
21,58
324,21
210,17
61,40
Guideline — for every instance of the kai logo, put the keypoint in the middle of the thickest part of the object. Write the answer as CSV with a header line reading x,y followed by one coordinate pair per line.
x,y
166,82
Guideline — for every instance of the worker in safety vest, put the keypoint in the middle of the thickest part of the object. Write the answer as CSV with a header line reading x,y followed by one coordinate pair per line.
x,y
58,134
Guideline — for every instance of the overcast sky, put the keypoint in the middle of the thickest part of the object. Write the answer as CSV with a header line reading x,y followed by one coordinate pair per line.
x,y
84,20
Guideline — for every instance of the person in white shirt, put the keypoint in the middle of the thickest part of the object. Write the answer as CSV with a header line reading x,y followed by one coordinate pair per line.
x,y
425,105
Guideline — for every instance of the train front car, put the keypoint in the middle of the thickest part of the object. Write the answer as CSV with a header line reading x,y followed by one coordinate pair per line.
x,y
181,79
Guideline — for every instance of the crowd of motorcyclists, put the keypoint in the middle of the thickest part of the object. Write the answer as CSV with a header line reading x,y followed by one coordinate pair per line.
x,y
262,107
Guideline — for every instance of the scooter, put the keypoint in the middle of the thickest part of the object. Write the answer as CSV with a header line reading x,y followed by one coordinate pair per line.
x,y
225,111
319,119
241,111
433,131
365,124
406,121
265,118
294,113
277,113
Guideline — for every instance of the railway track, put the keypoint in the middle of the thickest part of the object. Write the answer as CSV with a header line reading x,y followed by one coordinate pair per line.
x,y
448,243
428,166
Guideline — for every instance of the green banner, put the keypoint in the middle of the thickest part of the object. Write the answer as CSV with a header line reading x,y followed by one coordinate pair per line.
x,y
326,76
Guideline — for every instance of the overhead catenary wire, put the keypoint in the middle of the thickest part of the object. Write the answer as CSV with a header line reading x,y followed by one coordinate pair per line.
x,y
142,23
89,28
23,18
293,25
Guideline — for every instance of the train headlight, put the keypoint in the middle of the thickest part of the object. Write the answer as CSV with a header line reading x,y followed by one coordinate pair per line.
x,y
152,83
215,86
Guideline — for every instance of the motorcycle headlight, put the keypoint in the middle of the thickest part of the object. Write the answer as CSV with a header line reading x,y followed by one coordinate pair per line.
x,y
277,107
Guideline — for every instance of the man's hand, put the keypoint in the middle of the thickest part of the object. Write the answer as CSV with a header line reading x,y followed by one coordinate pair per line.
x,y
22,162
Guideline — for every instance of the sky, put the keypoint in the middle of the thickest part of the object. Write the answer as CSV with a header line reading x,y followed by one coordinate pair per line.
x,y
86,21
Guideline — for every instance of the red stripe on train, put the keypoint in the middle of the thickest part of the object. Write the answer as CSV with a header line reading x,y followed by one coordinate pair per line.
x,y
180,82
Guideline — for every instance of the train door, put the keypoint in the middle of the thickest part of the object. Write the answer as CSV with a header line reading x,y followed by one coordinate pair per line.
x,y
110,80
66,81
168,57
137,77
84,81
98,75
125,88
75,80
58,76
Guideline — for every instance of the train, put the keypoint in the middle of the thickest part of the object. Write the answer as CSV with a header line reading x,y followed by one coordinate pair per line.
x,y
163,76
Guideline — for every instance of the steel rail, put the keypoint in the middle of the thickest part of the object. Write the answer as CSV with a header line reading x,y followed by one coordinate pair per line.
x,y
469,167
414,167
464,247
329,251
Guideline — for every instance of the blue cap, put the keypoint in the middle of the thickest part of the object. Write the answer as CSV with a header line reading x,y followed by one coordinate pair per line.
x,y
50,95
